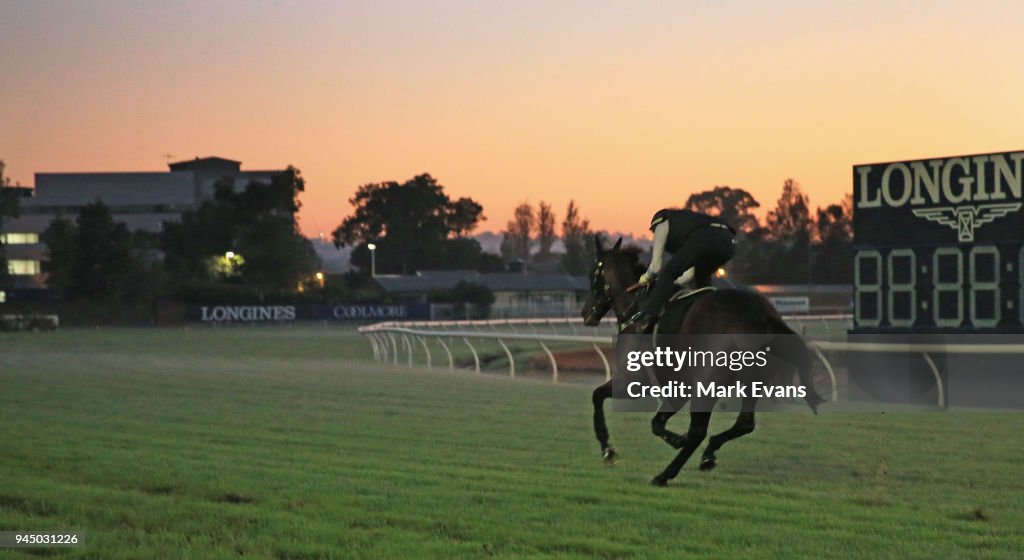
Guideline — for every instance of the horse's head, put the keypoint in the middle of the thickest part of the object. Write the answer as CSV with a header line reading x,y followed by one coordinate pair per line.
x,y
614,270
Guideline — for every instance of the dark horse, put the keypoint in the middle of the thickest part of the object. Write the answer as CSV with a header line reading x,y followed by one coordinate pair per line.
x,y
718,312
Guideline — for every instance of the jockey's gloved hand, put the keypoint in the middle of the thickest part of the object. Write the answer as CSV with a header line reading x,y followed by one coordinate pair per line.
x,y
648,278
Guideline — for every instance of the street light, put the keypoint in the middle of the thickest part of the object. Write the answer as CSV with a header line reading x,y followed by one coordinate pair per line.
x,y
229,255
373,259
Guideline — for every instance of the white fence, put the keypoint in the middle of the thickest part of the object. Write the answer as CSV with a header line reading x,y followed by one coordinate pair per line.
x,y
385,337
390,339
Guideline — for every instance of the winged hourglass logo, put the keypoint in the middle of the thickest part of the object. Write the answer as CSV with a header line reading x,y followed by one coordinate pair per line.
x,y
965,219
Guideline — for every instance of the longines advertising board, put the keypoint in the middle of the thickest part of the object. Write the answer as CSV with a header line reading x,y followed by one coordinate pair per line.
x,y
964,199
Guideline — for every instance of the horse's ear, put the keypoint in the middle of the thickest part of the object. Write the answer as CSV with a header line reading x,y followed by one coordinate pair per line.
x,y
598,244
617,245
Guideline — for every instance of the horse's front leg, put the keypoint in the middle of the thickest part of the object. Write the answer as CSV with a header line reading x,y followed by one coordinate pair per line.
x,y
600,426
694,436
743,426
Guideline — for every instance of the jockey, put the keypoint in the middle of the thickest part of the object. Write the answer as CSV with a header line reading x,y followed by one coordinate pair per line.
x,y
698,244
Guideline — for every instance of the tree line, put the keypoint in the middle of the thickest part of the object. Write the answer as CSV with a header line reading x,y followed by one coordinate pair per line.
x,y
243,244
792,245
414,225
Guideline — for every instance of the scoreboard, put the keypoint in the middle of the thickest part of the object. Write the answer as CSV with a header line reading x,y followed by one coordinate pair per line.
x,y
939,245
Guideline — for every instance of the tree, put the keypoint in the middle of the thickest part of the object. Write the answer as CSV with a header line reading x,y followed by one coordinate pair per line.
x,y
833,261
579,252
62,250
93,258
412,225
834,223
545,229
516,241
463,216
791,218
257,223
734,206
789,228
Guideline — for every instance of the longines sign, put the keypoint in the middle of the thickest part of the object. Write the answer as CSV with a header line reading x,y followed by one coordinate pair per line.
x,y
246,313
944,200
287,313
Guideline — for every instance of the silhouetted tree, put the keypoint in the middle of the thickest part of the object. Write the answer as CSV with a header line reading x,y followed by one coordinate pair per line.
x,y
463,216
414,225
92,259
833,255
791,218
789,230
577,237
545,229
734,206
517,234
62,250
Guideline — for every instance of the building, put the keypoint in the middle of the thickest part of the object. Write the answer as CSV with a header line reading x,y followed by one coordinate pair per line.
x,y
515,295
141,200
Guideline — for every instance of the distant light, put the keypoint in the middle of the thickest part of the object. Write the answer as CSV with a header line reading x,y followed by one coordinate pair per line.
x,y
319,275
720,273
371,246
229,255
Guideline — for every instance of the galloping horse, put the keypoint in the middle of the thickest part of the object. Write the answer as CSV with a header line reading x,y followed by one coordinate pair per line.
x,y
718,311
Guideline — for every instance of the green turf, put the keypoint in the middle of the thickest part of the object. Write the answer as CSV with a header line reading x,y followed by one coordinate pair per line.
x,y
290,443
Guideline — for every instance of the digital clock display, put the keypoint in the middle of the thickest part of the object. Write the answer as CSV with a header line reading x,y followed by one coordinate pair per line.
x,y
940,245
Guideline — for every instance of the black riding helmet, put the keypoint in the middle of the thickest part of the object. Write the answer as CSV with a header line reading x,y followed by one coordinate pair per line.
x,y
659,216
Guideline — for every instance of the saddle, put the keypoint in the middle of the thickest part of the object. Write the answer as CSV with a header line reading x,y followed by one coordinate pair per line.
x,y
674,312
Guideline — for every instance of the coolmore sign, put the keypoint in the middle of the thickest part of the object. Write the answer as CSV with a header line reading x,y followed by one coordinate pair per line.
x,y
286,313
958,199
370,311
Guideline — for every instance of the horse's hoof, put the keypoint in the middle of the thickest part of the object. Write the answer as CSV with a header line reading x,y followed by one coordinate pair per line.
x,y
659,482
708,463
611,457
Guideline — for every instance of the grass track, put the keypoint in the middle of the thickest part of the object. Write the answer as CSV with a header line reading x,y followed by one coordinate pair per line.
x,y
290,443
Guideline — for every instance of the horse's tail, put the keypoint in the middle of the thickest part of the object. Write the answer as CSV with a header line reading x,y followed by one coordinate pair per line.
x,y
795,351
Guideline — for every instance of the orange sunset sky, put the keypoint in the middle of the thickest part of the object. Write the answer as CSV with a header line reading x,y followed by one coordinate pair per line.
x,y
625,106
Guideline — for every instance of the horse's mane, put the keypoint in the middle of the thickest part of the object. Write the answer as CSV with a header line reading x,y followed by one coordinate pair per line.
x,y
632,254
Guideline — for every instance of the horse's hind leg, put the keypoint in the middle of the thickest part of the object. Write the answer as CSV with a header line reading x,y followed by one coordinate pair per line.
x,y
659,422
600,427
694,436
743,426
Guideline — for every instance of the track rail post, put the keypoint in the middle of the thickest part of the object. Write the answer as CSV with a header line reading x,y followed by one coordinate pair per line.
x,y
394,344
423,341
476,357
554,364
831,374
511,360
451,362
938,379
